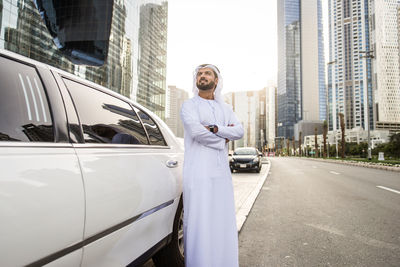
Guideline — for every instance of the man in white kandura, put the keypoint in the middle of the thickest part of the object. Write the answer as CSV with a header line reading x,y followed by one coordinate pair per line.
x,y
210,232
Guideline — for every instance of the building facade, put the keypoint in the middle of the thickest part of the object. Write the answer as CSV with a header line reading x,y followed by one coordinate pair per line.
x,y
270,116
350,65
289,66
386,68
136,62
301,71
312,62
250,109
174,100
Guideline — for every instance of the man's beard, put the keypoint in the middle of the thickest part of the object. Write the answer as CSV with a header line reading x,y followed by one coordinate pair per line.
x,y
205,86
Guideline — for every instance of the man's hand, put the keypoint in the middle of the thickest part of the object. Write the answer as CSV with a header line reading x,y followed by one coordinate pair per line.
x,y
215,128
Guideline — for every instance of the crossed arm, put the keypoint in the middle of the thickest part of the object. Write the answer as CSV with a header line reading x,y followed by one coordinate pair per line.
x,y
202,134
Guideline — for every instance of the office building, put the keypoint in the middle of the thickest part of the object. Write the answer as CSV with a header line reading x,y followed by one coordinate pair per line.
x,y
386,68
301,70
350,65
270,116
174,100
251,110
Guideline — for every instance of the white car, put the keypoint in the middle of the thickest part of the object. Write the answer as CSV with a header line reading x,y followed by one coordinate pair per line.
x,y
88,177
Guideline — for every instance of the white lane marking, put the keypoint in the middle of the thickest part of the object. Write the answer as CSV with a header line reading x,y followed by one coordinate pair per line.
x,y
327,228
388,189
334,172
376,243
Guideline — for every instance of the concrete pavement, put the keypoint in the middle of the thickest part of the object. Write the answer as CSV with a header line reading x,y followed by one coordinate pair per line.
x,y
246,188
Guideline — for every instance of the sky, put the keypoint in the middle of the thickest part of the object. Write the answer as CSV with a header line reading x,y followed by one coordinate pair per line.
x,y
239,37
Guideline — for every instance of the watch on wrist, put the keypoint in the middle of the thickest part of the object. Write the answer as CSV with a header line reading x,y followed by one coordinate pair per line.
x,y
212,127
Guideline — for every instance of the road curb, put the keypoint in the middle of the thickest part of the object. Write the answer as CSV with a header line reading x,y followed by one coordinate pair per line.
x,y
359,164
243,212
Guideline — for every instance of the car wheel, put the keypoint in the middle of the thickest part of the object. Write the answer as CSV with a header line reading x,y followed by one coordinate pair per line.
x,y
173,253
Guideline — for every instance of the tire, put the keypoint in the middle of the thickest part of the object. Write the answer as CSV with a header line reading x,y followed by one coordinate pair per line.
x,y
173,254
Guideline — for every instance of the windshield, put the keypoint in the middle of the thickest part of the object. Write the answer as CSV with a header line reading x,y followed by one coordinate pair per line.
x,y
246,151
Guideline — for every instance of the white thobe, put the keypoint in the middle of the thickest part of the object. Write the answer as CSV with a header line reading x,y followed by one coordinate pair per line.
x,y
210,232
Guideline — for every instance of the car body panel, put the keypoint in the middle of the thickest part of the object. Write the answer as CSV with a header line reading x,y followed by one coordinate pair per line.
x,y
41,201
117,183
130,242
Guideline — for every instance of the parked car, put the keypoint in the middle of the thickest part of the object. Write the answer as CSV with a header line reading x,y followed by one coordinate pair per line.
x,y
88,177
246,158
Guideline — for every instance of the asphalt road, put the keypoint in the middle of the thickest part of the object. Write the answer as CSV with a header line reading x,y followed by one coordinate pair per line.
x,y
311,213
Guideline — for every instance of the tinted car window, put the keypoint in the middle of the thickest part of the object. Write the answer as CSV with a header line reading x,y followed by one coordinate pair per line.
x,y
104,118
153,131
25,114
245,151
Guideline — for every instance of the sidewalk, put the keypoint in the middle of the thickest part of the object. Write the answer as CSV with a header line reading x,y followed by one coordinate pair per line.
x,y
246,189
372,165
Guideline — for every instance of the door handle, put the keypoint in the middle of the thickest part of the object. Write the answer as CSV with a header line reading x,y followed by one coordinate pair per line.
x,y
171,163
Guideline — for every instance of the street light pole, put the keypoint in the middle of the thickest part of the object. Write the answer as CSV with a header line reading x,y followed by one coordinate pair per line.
x,y
368,54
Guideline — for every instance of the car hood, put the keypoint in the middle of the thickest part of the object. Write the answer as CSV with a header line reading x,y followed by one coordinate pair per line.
x,y
244,157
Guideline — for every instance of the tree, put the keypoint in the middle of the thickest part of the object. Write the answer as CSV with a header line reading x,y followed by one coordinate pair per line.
x,y
300,151
394,145
294,147
324,135
342,128
316,142
287,146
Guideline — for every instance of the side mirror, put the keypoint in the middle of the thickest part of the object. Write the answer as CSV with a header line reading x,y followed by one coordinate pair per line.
x,y
260,154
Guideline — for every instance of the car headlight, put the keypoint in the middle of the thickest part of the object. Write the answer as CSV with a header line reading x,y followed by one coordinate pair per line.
x,y
255,160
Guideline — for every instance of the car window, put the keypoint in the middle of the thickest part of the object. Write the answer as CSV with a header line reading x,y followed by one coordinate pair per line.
x,y
155,135
104,118
245,152
25,114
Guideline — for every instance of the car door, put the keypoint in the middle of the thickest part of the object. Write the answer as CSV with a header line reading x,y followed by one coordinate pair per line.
x,y
131,194
41,189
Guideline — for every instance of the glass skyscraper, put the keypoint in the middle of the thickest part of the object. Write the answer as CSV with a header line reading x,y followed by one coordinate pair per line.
x,y
136,62
301,65
350,81
289,67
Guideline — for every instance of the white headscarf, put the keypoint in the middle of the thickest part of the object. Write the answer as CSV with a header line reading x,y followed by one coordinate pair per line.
x,y
217,92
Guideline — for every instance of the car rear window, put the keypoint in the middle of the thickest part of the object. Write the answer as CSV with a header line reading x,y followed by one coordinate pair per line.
x,y
25,114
